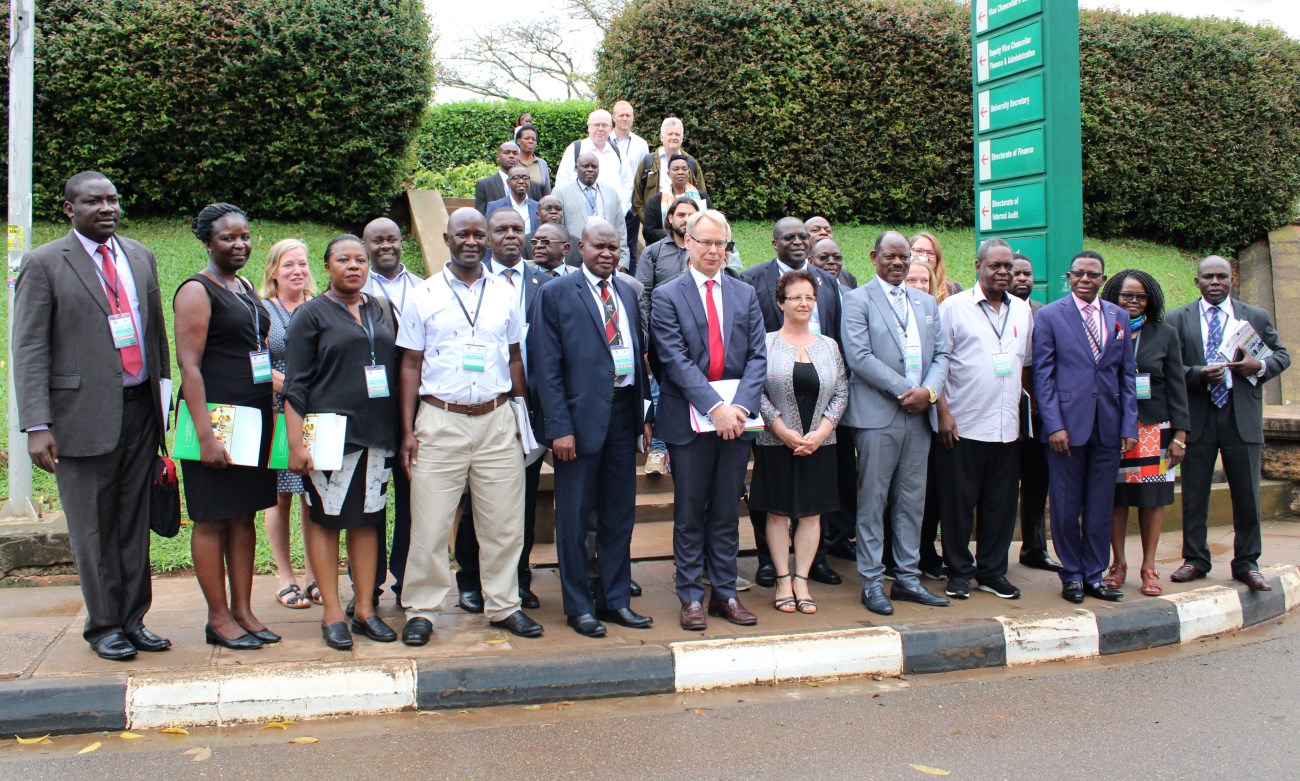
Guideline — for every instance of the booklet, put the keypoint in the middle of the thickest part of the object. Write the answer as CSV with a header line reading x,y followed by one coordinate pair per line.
x,y
239,429
1241,335
702,423
324,434
532,449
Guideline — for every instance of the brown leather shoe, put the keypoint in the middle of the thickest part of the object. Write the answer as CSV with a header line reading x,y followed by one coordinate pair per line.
x,y
1186,573
1255,580
733,611
693,617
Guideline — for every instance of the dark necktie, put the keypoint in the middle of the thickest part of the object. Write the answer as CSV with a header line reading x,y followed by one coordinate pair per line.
x,y
1219,392
118,303
612,336
1094,333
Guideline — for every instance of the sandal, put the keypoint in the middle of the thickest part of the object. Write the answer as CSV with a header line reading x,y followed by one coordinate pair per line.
x,y
805,606
1151,583
1115,575
785,604
313,593
293,598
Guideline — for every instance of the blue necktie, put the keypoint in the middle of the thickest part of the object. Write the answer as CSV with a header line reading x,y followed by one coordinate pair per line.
x,y
1219,392
590,194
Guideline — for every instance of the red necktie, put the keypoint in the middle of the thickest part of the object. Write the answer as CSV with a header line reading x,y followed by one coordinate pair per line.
x,y
132,358
716,353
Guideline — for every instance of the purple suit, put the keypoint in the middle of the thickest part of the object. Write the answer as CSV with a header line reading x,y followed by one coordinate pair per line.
x,y
1095,402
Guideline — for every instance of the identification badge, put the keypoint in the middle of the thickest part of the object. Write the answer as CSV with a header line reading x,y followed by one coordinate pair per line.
x,y
1144,386
1002,364
912,355
815,327
475,357
376,382
623,365
123,330
261,361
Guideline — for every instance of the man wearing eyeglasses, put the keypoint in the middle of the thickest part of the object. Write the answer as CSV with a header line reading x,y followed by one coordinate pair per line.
x,y
550,210
495,187
518,184
707,329
1085,385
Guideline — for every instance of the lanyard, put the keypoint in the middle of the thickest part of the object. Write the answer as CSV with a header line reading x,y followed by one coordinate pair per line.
x,y
117,278
1006,315
368,326
252,308
473,321
1137,337
907,316
383,283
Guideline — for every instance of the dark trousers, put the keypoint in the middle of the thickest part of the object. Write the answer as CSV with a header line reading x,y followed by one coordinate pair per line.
x,y
606,481
838,527
936,485
1082,488
396,563
633,222
466,549
1241,466
708,475
106,503
1033,499
980,497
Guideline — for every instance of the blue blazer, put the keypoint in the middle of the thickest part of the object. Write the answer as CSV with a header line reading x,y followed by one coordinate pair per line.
x,y
1072,391
764,276
504,203
571,377
679,352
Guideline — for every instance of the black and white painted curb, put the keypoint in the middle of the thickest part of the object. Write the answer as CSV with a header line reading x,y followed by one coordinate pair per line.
x,y
294,691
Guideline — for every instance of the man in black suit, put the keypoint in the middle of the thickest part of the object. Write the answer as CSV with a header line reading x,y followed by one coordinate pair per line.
x,y
550,209
591,394
791,240
1226,397
494,187
89,351
827,256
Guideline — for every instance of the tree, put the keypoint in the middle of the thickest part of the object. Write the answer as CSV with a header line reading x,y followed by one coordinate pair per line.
x,y
517,59
598,12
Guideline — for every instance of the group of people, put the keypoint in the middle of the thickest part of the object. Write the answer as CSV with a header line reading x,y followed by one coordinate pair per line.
x,y
875,414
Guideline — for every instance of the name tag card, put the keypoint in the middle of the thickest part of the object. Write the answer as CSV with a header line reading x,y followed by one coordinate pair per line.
x,y
376,382
261,362
1144,386
912,357
1002,364
474,358
623,365
123,330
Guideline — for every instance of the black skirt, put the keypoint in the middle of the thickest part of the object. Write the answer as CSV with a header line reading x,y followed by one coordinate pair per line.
x,y
790,485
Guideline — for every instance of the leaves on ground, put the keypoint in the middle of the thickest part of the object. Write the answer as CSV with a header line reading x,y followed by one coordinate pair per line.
x,y
303,739
32,741
496,641
200,754
175,731
931,771
532,707
92,747
130,736
275,725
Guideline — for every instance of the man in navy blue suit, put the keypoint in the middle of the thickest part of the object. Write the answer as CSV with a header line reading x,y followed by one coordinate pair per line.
x,y
517,197
1085,383
591,392
706,328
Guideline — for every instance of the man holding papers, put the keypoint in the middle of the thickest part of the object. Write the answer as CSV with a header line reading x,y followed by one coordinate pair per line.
x,y
705,328
1226,395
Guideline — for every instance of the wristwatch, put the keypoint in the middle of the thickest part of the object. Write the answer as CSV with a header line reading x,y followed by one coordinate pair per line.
x,y
1263,367
933,396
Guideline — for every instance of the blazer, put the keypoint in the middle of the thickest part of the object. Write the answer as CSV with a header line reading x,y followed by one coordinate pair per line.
x,y
67,373
876,356
571,377
847,280
533,279
1075,393
679,353
1247,399
573,258
764,276
575,213
491,188
652,217
660,263
505,203
778,391
1160,355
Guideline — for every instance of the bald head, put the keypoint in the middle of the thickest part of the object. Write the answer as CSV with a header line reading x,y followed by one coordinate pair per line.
x,y
600,247
383,242
1214,278
588,168
818,228
551,209
790,240
550,245
826,256
505,230
892,256
466,238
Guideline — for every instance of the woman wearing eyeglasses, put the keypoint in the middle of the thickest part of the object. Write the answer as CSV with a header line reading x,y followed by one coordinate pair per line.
x,y
927,249
1146,473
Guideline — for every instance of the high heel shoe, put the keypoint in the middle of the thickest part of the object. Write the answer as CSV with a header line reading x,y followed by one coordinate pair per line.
x,y
265,635
805,606
1115,575
243,643
784,604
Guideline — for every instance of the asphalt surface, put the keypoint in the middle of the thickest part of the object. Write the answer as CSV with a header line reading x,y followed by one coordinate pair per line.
x,y
1219,708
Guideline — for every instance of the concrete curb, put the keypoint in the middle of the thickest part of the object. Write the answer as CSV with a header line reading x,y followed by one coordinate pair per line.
x,y
294,691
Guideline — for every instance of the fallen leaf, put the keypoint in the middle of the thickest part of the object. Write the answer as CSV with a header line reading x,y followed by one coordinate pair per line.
x,y
274,725
191,752
288,723
813,684
130,736
32,741
548,725
175,731
995,715
203,754
92,747
495,641
698,711
874,696
303,740
462,713
532,707
932,771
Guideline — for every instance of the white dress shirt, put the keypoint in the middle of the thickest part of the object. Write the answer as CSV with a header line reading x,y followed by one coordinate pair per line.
x,y
612,173
624,330
984,405
913,335
397,289
699,280
126,283
633,149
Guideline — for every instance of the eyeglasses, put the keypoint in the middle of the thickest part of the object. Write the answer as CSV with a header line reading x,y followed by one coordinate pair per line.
x,y
1141,298
825,256
517,177
542,242
798,299
929,253
711,244
793,236
1093,275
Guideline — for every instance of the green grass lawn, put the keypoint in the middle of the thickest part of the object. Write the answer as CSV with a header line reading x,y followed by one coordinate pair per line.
x,y
180,255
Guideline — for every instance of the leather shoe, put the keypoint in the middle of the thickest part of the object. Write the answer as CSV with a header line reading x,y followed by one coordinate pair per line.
x,y
1073,591
634,588
874,599
244,642
337,635
471,601
265,635
1186,573
693,617
144,640
518,623
417,631
374,628
586,625
733,611
114,647
920,595
1040,562
824,574
765,576
625,617
528,599
1255,580
351,610
1100,590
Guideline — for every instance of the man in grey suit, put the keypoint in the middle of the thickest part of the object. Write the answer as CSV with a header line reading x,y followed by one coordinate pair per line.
x,y
898,359
89,349
589,198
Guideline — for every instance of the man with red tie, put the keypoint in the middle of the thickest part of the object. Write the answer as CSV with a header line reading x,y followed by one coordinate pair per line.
x,y
707,329
89,350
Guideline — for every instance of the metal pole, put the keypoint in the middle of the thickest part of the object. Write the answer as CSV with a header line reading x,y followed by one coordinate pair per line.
x,y
22,66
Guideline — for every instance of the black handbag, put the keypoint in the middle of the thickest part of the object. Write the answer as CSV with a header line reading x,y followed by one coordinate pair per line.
x,y
165,498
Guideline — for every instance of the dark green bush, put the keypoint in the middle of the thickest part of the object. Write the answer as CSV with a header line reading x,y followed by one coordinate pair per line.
x,y
303,109
455,134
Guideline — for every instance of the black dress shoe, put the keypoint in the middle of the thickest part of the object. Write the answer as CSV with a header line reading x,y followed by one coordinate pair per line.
x,y
518,623
1073,591
374,628
144,640
337,635
265,635
242,643
874,599
586,625
824,574
625,617
1042,561
528,599
919,595
1099,590
471,601
634,589
114,647
417,631
351,609
765,576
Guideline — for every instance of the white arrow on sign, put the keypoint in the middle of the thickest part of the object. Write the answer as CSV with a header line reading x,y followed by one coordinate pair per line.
x,y
983,103
982,61
981,15
986,210
985,161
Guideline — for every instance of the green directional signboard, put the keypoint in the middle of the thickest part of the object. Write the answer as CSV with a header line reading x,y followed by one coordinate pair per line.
x,y
1012,208
1008,157
992,14
1016,51
1009,105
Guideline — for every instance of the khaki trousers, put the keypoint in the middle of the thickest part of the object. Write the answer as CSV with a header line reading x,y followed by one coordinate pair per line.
x,y
483,454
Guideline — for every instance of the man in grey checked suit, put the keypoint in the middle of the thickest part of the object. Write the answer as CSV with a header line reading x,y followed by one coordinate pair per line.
x,y
898,361
587,197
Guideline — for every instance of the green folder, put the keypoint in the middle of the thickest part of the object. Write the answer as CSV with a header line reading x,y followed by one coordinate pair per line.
x,y
238,428
326,447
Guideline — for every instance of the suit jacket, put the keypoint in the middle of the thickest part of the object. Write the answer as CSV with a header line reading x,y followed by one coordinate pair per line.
x,y
679,353
1074,392
533,279
575,213
847,280
572,374
67,372
491,188
1247,399
505,203
573,258
764,276
876,357
1160,354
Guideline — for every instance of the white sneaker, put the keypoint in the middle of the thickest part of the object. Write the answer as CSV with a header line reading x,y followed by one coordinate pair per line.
x,y
655,463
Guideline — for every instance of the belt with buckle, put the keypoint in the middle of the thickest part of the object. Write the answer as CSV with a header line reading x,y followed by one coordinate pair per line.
x,y
473,410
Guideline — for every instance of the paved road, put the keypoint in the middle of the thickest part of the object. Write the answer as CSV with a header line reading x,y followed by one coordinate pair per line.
x,y
1222,708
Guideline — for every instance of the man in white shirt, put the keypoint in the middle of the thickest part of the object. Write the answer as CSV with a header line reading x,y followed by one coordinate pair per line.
x,y
608,156
632,150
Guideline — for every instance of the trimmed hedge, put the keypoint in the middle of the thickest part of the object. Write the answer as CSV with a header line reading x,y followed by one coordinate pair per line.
x,y
456,134
861,110
305,109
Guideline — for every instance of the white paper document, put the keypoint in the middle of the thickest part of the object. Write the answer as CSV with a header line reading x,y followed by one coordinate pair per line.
x,y
165,396
1240,335
532,450
324,433
701,422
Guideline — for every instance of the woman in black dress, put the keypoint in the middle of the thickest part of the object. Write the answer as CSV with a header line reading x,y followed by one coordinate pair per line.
x,y
342,359
221,349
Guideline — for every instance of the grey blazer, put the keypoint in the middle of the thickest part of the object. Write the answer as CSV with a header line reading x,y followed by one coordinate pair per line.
x,y
778,391
610,207
875,354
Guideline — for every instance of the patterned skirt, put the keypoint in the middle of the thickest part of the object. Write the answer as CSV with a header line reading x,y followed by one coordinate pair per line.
x,y
354,496
1145,479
